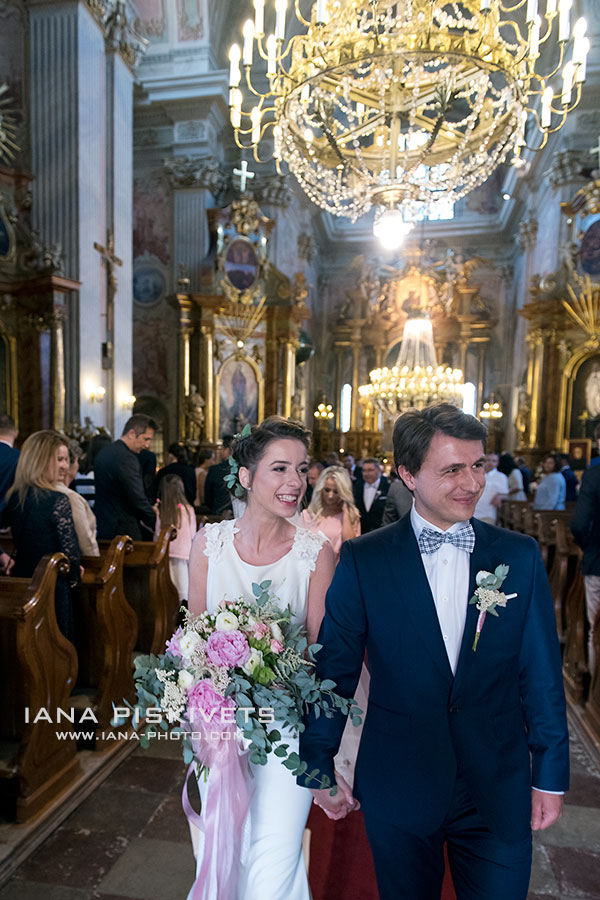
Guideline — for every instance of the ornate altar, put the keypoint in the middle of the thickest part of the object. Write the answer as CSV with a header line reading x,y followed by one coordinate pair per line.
x,y
32,313
560,407
239,335
370,326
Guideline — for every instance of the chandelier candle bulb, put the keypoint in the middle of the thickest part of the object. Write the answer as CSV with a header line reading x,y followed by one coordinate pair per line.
x,y
271,55
567,87
255,119
259,17
580,70
551,7
280,9
321,17
248,41
234,65
485,6
563,20
532,9
534,42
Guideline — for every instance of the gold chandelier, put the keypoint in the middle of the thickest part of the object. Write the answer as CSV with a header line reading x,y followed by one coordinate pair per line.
x,y
416,379
401,103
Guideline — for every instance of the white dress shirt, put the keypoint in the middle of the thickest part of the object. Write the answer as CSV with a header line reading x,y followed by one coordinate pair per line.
x,y
495,483
369,492
447,572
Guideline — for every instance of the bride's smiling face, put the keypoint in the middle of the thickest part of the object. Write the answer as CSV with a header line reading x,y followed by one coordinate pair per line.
x,y
278,482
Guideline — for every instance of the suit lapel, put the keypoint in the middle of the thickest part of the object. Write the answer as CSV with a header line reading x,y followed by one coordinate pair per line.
x,y
481,558
417,599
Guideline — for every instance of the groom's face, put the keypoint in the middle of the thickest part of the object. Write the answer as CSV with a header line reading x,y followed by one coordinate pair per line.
x,y
450,481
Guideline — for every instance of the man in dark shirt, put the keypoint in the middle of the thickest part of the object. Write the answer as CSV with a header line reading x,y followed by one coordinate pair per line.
x,y
178,463
121,503
370,495
569,476
9,457
216,493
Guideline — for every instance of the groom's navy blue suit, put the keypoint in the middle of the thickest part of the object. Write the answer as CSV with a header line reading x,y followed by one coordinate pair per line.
x,y
499,723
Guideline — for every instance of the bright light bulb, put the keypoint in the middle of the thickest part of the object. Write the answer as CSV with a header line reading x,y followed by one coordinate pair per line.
x,y
391,229
248,33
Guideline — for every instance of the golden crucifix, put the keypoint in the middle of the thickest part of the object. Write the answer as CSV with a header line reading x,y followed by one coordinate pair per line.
x,y
109,260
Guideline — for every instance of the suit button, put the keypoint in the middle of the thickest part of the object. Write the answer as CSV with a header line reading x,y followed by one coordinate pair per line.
x,y
454,709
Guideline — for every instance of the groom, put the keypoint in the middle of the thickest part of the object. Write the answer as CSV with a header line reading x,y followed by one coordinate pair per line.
x,y
459,746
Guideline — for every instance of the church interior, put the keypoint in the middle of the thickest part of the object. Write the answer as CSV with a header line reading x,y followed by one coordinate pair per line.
x,y
187,235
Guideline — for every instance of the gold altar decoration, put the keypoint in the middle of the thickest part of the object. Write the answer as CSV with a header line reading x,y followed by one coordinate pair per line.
x,y
8,126
584,307
401,104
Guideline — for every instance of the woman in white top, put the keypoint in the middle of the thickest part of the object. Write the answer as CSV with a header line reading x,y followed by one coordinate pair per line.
x,y
226,559
508,467
83,517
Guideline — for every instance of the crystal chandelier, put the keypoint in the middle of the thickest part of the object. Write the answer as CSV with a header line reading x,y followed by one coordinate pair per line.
x,y
400,103
416,379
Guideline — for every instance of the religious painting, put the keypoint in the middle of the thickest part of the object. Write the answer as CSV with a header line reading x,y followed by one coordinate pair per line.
x,y
152,21
241,264
589,250
148,285
151,220
580,453
238,396
190,26
585,409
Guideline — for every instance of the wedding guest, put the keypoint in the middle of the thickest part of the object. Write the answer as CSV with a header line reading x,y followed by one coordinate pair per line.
x,y
332,510
507,466
312,476
496,487
398,502
147,461
216,495
9,457
122,506
525,472
370,495
552,489
83,517
85,483
178,463
586,531
174,509
41,520
204,460
570,477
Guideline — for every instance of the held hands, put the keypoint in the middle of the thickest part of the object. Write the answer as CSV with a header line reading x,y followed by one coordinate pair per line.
x,y
6,563
338,806
545,809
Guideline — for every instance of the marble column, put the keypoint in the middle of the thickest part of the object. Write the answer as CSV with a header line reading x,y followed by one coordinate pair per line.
x,y
67,109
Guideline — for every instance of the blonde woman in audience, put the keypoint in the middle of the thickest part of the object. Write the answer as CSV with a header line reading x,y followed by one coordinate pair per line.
x,y
332,510
83,517
41,520
174,509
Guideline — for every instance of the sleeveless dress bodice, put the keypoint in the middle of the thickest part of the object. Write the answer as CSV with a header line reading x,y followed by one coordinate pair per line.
x,y
229,577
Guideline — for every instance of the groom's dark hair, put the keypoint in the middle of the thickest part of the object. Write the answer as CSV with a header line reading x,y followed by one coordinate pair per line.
x,y
414,430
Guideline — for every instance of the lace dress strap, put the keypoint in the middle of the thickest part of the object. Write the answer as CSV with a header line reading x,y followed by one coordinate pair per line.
x,y
218,535
306,548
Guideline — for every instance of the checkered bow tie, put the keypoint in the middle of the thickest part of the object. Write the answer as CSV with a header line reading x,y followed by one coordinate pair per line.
x,y
430,541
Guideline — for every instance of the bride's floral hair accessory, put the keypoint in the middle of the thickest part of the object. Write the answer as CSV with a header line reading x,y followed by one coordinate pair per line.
x,y
249,447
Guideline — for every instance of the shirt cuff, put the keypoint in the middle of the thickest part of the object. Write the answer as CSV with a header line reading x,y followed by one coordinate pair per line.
x,y
556,793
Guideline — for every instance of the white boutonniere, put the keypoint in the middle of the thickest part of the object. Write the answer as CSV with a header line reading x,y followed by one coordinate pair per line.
x,y
488,596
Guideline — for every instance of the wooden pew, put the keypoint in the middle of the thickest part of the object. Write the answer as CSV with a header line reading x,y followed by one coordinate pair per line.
x,y
565,566
105,633
503,513
528,525
546,535
38,668
150,591
591,714
516,509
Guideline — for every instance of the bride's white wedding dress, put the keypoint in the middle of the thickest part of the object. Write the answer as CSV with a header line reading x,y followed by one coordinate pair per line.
x,y
272,861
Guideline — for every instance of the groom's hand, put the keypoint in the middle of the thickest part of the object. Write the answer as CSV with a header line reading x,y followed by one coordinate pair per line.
x,y
545,809
339,805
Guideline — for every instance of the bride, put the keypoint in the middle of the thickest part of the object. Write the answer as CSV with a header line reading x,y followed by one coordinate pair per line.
x,y
226,558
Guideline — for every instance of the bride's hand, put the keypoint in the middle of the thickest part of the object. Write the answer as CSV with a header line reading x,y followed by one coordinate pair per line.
x,y
340,804
346,790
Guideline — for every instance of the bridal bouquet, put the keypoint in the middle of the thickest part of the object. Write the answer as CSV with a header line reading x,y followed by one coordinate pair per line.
x,y
227,677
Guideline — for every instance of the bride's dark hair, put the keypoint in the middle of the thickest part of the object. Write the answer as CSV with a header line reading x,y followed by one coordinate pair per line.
x,y
248,450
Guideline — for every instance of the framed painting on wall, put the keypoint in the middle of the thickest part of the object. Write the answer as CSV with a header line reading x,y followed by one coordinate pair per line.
x,y
580,451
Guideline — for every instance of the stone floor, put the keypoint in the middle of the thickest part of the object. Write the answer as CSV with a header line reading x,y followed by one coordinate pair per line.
x,y
129,840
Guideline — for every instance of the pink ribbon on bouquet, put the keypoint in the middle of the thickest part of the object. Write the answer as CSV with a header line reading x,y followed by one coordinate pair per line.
x,y
225,810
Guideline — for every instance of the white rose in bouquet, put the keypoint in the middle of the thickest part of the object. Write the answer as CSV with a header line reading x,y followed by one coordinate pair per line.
x,y
254,662
188,643
185,679
277,633
226,621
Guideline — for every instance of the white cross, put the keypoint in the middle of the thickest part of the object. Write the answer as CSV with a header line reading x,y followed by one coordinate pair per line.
x,y
596,150
244,174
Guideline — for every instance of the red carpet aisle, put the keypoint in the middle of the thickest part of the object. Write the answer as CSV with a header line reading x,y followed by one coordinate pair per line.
x,y
341,866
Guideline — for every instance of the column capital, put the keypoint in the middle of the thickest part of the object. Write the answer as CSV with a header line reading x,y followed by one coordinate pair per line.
x,y
195,172
566,167
119,34
527,233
